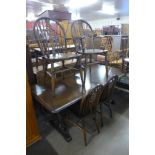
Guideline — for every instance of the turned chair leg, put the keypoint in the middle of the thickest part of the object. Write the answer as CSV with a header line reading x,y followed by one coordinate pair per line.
x,y
63,66
53,84
44,69
85,70
82,75
74,73
106,65
96,123
101,116
37,64
84,133
62,75
85,136
90,70
107,71
110,109
44,78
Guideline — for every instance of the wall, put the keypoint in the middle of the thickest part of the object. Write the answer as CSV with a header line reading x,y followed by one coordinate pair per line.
x,y
96,24
29,25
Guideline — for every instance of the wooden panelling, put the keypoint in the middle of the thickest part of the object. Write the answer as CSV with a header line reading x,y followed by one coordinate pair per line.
x,y
32,133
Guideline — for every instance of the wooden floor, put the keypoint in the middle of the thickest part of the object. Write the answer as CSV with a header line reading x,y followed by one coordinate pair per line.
x,y
69,90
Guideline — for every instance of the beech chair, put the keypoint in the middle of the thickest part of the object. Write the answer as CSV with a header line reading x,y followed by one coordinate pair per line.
x,y
85,42
86,107
114,58
106,95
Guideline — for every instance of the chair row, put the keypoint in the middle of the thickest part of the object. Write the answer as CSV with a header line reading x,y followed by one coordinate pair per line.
x,y
91,104
51,39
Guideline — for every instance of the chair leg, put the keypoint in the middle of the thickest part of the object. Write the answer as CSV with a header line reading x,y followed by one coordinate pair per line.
x,y
96,123
53,85
85,136
85,70
122,65
84,130
74,73
106,65
82,77
37,64
101,116
97,126
90,70
44,69
110,109
44,78
84,133
62,74
107,71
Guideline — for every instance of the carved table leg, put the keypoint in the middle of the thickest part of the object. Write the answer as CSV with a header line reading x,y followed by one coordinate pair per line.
x,y
59,125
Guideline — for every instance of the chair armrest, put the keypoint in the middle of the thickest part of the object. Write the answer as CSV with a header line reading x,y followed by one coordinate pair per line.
x,y
123,50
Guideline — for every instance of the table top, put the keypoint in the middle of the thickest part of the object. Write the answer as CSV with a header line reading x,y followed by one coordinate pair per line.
x,y
34,45
126,60
123,82
50,48
93,51
63,56
69,90
66,94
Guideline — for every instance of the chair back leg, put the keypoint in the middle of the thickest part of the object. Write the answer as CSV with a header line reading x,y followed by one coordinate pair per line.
x,y
84,132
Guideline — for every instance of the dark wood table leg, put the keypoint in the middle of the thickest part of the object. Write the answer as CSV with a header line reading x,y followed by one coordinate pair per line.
x,y
59,124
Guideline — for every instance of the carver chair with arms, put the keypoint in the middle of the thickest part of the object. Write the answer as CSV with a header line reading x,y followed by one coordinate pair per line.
x,y
85,42
50,37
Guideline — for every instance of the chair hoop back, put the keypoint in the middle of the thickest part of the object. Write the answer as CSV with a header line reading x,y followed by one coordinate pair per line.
x,y
82,34
49,34
91,100
111,84
108,88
